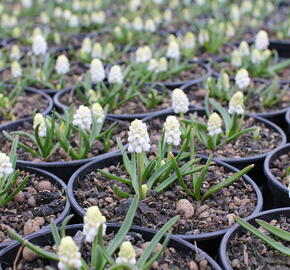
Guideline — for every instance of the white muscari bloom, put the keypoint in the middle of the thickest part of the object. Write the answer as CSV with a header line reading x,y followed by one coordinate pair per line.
x,y
242,79
98,17
150,26
115,75
67,14
266,54
39,120
180,102
26,3
235,13
5,165
203,36
92,222
15,53
69,254
224,81
124,22
153,65
143,54
236,60
138,137
83,117
62,64
16,70
246,6
163,65
244,49
262,40
98,112
236,104
167,15
230,30
172,131
137,24
86,46
173,50
76,5
214,124
74,21
97,71
57,12
97,51
126,254
189,41
109,49
36,31
39,45
257,56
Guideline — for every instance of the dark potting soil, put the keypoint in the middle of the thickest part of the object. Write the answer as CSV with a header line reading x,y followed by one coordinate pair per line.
x,y
247,252
34,207
27,103
120,130
197,93
243,146
171,258
213,214
279,167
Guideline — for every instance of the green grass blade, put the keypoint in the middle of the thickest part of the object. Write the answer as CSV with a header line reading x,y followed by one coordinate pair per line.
x,y
115,177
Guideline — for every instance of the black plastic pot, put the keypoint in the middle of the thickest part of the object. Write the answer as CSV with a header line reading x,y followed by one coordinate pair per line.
x,y
7,256
237,229
280,193
287,118
50,92
45,112
281,46
62,169
240,163
208,241
60,218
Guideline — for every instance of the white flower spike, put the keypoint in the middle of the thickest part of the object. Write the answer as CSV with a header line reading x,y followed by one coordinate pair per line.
x,y
126,254
236,60
236,104
172,130
5,165
98,112
262,40
138,137
180,101
16,70
214,124
39,45
69,254
242,79
15,53
143,54
39,120
244,49
173,50
97,71
62,64
83,117
115,75
92,222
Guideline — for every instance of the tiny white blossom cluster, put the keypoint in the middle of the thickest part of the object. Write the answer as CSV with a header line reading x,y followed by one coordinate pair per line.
x,y
98,112
83,117
5,165
173,50
172,130
158,66
143,54
180,102
97,71
242,79
39,45
62,65
236,104
138,137
39,120
92,222
262,40
115,75
69,254
16,70
126,254
214,124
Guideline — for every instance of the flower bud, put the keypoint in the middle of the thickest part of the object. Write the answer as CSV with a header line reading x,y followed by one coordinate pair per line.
x,y
69,254
74,21
180,101
236,60
36,31
15,53
16,70
150,26
98,112
173,50
167,15
203,36
189,41
137,24
262,40
109,49
224,81
39,45
242,79
62,64
163,65
97,51
236,104
98,17
214,124
92,222
57,12
138,137
143,54
126,254
5,165
115,75
153,65
39,120
86,46
97,71
83,118
244,49
257,57
172,131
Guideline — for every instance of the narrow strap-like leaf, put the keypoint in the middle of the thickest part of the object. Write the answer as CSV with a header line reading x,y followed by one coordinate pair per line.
x,y
115,177
120,193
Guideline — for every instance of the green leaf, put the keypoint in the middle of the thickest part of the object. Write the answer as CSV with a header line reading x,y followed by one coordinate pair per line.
x,y
268,240
226,182
115,177
55,233
239,134
120,193
64,224
225,115
127,163
284,235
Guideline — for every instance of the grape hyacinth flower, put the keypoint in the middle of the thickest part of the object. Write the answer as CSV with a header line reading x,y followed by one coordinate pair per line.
x,y
83,117
126,254
214,124
6,167
242,79
62,64
236,104
115,75
39,120
97,71
180,102
172,131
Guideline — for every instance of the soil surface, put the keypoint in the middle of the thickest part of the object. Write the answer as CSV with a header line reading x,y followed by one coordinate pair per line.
x,y
41,201
171,258
26,104
279,168
247,252
213,214
243,146
120,130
